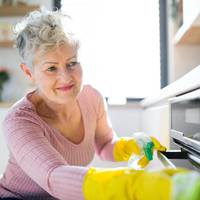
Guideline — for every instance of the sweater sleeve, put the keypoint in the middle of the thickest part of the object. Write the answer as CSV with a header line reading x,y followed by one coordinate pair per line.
x,y
105,136
40,160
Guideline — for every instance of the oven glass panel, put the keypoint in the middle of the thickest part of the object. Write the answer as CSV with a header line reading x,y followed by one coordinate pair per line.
x,y
185,117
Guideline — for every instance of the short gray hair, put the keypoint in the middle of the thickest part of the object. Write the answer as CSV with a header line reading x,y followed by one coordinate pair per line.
x,y
42,31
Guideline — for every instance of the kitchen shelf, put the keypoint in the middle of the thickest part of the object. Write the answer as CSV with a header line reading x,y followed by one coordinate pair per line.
x,y
18,10
6,44
189,33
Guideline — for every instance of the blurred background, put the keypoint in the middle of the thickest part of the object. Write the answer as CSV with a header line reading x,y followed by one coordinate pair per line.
x,y
131,51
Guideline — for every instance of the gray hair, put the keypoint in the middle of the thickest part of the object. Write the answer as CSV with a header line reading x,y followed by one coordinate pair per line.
x,y
43,31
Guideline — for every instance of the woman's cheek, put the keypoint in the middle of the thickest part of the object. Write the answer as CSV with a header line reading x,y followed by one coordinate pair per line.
x,y
80,74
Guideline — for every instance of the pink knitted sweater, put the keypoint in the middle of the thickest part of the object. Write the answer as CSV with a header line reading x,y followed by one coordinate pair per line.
x,y
43,164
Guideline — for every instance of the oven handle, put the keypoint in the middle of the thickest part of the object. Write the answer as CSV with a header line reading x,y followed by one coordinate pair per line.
x,y
164,157
175,154
183,97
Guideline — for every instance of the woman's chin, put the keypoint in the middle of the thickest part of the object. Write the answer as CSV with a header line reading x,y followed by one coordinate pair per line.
x,y
64,98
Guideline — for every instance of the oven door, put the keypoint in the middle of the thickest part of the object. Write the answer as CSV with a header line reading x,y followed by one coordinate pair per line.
x,y
184,132
185,119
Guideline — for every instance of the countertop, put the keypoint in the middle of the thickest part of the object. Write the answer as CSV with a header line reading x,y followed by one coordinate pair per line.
x,y
188,82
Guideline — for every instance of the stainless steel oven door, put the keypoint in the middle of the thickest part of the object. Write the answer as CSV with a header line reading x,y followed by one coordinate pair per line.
x,y
185,118
184,132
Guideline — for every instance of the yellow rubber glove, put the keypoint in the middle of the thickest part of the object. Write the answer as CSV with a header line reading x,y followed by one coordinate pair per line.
x,y
126,147
129,184
122,184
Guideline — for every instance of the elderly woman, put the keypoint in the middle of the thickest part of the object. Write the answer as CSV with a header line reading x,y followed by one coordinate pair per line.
x,y
54,131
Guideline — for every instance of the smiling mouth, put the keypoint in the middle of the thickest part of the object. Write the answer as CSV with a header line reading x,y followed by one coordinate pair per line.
x,y
65,88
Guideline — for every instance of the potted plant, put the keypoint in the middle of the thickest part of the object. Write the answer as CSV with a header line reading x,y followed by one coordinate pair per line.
x,y
4,76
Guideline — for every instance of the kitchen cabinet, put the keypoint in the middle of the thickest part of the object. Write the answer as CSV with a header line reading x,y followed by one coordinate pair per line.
x,y
183,37
188,28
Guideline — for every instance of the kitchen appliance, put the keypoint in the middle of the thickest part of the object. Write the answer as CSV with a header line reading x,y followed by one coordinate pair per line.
x,y
184,132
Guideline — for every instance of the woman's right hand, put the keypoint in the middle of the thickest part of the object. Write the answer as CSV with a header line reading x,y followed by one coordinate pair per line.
x,y
129,184
139,145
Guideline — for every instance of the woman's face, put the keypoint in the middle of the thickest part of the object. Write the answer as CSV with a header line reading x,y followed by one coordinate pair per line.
x,y
58,74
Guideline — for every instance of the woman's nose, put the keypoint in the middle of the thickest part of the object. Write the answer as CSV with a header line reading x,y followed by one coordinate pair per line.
x,y
64,74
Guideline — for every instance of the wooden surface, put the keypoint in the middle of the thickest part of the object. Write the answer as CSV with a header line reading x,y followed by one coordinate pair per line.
x,y
189,32
188,36
6,44
16,10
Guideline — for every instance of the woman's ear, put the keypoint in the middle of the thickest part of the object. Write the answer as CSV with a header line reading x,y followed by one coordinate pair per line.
x,y
27,71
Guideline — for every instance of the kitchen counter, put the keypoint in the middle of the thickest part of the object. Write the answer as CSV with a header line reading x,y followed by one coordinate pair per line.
x,y
188,82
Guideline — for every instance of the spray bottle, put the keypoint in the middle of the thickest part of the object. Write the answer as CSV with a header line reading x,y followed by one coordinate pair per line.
x,y
146,148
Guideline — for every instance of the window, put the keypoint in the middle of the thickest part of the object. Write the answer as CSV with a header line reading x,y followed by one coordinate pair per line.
x,y
120,50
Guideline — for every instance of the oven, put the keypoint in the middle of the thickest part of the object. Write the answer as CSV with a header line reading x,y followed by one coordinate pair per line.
x,y
184,132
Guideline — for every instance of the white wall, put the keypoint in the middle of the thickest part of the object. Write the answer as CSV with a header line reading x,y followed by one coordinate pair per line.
x,y
126,119
155,122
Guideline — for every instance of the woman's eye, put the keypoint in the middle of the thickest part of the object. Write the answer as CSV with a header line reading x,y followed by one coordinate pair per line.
x,y
71,65
50,69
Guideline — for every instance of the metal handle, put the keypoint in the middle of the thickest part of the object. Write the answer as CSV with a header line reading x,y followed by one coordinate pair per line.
x,y
188,96
165,161
175,154
164,157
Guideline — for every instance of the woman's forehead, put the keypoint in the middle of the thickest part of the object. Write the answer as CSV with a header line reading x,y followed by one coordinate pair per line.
x,y
63,49
62,52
